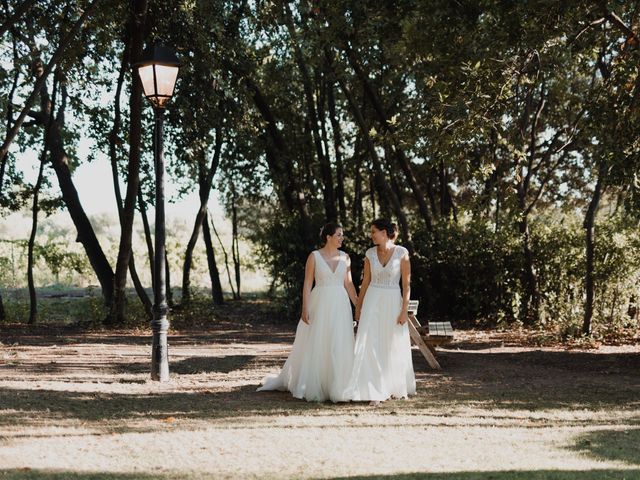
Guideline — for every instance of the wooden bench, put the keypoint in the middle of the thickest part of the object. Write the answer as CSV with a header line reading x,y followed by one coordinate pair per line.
x,y
436,333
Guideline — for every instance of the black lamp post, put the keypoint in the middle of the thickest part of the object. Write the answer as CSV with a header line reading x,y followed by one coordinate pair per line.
x,y
158,70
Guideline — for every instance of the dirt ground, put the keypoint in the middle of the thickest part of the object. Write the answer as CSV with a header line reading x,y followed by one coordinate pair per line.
x,y
81,405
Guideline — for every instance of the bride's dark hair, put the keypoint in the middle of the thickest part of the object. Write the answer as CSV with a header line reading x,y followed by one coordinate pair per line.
x,y
329,229
386,225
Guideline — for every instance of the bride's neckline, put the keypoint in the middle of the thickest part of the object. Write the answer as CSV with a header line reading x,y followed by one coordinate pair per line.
x,y
333,270
383,265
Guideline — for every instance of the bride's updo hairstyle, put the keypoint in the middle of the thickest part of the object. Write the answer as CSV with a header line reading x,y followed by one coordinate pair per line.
x,y
328,229
387,226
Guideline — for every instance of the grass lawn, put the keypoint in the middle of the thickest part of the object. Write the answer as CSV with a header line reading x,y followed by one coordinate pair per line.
x,y
80,405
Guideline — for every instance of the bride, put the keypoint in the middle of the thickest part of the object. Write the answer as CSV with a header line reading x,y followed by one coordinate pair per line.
x,y
321,359
382,365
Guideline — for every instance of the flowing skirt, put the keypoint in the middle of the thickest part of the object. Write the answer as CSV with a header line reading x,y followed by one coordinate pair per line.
x,y
321,359
383,367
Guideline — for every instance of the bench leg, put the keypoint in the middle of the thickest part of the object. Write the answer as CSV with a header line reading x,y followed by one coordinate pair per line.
x,y
424,348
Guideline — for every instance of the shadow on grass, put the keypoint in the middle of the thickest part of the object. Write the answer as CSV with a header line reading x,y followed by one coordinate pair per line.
x,y
193,365
226,333
28,474
24,407
226,364
605,474
103,370
619,445
511,380
530,380
147,412
608,474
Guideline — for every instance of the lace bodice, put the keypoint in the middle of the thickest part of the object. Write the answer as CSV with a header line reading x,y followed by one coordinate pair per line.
x,y
389,275
324,277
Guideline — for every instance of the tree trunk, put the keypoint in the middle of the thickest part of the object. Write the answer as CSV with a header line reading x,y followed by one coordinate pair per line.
x,y
235,251
114,141
531,297
33,301
447,205
47,111
393,179
216,286
188,255
387,126
338,192
498,205
325,167
168,290
133,173
60,164
226,258
280,165
357,207
432,194
444,207
137,284
14,86
337,147
3,313
589,221
86,235
205,182
377,169
372,195
147,235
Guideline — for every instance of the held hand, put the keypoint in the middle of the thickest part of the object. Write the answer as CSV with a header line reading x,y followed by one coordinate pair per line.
x,y
357,315
402,319
305,316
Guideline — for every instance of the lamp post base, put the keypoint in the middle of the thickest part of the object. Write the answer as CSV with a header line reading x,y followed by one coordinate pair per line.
x,y
160,351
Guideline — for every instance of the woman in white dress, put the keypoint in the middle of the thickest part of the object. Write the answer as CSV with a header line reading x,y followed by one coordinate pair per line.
x,y
321,359
382,366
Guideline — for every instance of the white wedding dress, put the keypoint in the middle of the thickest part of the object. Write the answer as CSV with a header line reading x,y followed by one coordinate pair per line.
x,y
382,366
321,359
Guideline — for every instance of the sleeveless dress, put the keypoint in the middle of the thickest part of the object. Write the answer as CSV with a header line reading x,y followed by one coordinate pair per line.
x,y
382,366
321,359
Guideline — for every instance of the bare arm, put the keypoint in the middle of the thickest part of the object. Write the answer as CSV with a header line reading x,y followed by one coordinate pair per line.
x,y
348,283
309,270
405,271
366,280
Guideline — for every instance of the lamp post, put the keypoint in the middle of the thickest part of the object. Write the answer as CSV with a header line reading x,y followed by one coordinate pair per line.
x,y
158,71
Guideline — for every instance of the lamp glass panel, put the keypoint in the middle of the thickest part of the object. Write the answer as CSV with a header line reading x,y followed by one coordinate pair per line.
x,y
146,77
166,78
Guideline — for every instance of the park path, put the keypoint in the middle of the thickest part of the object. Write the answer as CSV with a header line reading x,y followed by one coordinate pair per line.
x,y
81,405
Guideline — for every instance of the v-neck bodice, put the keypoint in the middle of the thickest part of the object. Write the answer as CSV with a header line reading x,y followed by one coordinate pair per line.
x,y
324,276
387,276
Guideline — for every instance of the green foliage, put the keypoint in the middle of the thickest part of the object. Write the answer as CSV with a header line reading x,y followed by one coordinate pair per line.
x,y
467,272
58,259
484,115
470,272
282,248
561,274
55,263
